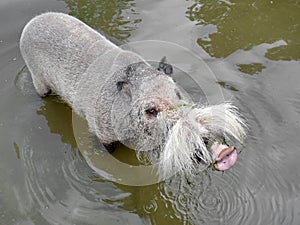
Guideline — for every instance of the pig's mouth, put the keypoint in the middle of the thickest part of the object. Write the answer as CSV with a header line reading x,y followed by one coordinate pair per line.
x,y
223,156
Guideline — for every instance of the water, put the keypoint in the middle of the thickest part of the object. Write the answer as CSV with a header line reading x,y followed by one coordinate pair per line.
x,y
252,47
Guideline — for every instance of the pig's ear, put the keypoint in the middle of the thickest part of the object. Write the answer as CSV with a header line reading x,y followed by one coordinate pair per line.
x,y
163,66
124,86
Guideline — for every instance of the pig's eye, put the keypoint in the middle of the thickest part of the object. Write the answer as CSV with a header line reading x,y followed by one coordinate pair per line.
x,y
151,112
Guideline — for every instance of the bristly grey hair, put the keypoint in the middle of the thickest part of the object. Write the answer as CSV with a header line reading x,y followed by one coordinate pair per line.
x,y
179,136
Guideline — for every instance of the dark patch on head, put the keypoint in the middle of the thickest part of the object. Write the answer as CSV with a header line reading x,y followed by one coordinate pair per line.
x,y
124,86
129,70
120,85
135,68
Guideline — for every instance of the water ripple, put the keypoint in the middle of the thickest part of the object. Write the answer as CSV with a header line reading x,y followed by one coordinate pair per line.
x,y
70,196
151,207
254,191
24,83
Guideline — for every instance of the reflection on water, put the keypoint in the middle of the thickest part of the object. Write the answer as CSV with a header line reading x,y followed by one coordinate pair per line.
x,y
60,190
227,86
253,68
59,118
113,17
247,23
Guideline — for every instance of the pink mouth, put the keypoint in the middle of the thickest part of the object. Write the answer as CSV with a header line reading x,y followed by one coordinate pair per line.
x,y
224,156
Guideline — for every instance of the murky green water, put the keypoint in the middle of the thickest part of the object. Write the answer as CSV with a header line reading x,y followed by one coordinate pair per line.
x,y
253,47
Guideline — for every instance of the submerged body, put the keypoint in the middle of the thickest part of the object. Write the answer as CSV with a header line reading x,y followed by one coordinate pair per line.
x,y
123,98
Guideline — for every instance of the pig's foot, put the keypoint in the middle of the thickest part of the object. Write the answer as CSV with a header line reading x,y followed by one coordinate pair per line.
x,y
110,147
